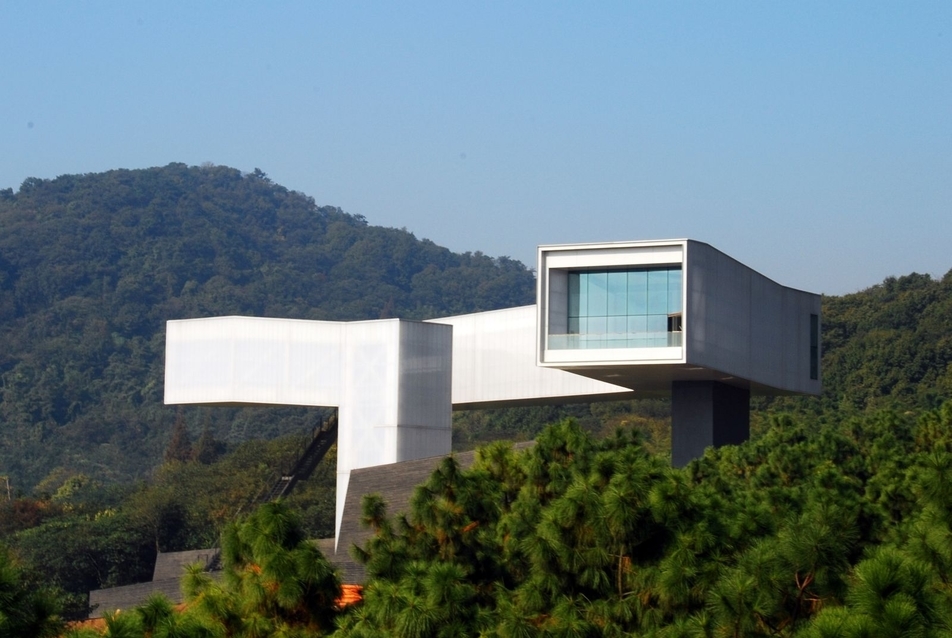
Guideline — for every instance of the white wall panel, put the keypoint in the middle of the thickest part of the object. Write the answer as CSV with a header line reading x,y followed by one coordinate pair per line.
x,y
395,382
621,254
252,360
396,397
367,417
494,361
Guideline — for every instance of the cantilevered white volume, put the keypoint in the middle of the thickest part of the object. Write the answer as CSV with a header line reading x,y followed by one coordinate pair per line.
x,y
391,380
613,320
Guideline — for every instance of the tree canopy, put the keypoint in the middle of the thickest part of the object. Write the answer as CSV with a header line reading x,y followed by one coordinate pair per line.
x,y
808,530
92,266
834,520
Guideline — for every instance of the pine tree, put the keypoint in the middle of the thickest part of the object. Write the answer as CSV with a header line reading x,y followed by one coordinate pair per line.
x,y
180,445
206,450
274,582
24,612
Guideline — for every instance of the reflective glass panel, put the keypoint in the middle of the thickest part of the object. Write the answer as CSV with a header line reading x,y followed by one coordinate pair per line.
x,y
674,291
658,324
598,326
618,293
638,292
618,326
657,292
622,308
573,298
582,295
597,293
657,331
638,325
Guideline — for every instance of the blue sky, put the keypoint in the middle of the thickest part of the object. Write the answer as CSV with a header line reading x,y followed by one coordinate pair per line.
x,y
810,140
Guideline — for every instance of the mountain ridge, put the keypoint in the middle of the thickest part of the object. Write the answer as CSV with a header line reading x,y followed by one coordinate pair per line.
x,y
92,266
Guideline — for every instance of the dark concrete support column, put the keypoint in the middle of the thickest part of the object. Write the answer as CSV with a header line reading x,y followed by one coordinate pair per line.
x,y
705,413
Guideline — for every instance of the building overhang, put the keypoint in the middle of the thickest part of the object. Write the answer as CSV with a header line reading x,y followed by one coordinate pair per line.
x,y
717,319
395,382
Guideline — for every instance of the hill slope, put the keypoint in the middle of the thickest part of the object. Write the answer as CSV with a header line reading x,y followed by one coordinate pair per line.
x,y
92,266
890,343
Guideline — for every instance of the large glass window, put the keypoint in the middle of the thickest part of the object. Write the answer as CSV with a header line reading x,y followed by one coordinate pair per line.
x,y
637,308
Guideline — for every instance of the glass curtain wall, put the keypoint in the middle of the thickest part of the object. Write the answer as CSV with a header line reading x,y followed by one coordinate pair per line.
x,y
637,308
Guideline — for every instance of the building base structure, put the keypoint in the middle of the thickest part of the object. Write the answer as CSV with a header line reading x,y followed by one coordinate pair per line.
x,y
706,414
617,320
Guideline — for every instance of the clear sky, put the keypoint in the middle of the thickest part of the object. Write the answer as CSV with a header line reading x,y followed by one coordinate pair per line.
x,y
810,140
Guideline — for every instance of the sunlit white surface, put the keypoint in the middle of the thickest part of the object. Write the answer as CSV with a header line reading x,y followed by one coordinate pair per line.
x,y
494,363
396,382
253,360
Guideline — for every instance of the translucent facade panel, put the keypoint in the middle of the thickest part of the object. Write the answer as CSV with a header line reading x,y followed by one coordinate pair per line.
x,y
636,308
674,291
597,294
658,292
617,293
638,292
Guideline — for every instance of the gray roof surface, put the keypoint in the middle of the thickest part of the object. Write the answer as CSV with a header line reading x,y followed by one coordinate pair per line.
x,y
104,601
171,565
395,483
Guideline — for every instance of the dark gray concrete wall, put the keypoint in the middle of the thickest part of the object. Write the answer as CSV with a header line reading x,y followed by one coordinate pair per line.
x,y
742,324
706,413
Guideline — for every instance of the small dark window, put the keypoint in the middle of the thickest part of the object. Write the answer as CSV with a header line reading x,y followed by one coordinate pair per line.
x,y
674,322
814,346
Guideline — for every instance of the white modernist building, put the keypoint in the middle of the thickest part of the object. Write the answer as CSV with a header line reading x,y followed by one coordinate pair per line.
x,y
612,321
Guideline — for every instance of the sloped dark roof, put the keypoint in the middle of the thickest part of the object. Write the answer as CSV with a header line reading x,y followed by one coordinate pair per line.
x,y
171,565
103,601
395,483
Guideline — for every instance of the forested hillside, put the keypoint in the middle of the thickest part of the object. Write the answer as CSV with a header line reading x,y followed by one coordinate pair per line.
x,y
889,345
92,266
832,520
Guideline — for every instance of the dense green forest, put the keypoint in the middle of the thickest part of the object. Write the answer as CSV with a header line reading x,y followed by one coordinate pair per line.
x,y
96,475
808,530
835,529
92,266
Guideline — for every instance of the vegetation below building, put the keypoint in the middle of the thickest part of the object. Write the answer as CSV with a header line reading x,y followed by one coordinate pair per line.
x,y
835,529
92,266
